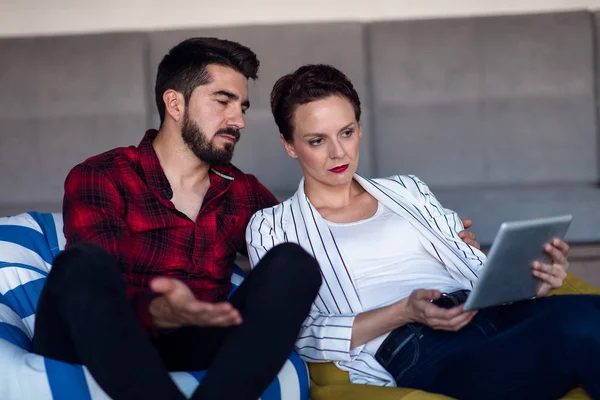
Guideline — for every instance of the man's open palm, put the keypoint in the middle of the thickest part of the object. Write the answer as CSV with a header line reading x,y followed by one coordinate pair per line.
x,y
178,307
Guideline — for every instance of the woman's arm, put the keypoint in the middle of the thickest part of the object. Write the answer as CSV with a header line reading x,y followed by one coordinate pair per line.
x,y
326,337
261,235
417,307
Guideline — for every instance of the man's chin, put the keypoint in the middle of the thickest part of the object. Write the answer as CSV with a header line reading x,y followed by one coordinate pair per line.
x,y
221,162
223,159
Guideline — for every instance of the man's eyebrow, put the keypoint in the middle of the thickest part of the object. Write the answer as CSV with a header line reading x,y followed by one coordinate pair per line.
x,y
231,96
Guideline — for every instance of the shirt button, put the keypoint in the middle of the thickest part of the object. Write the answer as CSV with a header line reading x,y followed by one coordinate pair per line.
x,y
233,221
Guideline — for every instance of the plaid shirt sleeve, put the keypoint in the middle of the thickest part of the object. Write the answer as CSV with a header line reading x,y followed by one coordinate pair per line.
x,y
93,212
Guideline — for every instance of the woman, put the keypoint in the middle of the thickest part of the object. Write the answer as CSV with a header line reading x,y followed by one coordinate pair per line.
x,y
388,249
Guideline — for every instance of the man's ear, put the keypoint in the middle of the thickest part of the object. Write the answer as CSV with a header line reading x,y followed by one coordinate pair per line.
x,y
174,104
289,147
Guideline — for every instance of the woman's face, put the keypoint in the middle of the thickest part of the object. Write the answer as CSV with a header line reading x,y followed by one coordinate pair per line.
x,y
326,141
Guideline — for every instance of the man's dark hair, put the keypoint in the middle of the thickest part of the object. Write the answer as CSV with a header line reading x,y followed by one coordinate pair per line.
x,y
184,68
307,84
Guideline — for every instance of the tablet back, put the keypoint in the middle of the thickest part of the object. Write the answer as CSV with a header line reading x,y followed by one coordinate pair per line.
x,y
507,274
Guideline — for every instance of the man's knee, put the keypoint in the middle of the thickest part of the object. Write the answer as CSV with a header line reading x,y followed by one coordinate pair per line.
x,y
288,262
81,265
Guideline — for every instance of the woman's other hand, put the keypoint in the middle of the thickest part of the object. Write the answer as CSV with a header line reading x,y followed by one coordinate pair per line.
x,y
552,274
467,236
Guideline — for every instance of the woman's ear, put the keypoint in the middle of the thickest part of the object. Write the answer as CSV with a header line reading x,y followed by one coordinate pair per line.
x,y
359,130
289,147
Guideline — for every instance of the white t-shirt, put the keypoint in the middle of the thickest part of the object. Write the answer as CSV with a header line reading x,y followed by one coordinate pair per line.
x,y
388,261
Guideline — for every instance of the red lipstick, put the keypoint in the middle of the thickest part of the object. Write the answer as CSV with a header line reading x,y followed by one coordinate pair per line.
x,y
340,169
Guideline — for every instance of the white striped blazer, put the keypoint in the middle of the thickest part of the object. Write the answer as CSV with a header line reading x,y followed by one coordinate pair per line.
x,y
326,333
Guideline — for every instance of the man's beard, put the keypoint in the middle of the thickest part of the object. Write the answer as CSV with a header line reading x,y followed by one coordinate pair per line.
x,y
205,149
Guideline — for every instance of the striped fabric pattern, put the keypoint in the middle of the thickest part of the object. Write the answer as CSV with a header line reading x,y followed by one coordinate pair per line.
x,y
28,244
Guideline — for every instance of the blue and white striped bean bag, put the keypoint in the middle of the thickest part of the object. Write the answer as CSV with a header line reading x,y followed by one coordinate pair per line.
x,y
28,244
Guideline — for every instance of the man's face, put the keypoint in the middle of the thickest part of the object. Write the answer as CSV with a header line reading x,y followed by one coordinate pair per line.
x,y
214,115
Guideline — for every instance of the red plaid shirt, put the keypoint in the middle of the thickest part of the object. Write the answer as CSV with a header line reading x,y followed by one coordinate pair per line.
x,y
120,200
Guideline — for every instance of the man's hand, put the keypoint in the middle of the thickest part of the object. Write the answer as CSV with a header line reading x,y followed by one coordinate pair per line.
x,y
552,275
419,308
466,236
178,307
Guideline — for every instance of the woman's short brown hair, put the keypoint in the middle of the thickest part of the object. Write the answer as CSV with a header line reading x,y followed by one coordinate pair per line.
x,y
307,84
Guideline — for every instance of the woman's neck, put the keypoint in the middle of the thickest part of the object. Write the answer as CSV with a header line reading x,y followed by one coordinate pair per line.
x,y
342,204
332,197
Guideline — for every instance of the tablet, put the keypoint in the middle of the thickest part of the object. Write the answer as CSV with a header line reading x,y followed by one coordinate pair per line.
x,y
507,275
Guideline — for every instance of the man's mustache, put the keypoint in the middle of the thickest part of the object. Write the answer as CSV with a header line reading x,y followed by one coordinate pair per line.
x,y
229,131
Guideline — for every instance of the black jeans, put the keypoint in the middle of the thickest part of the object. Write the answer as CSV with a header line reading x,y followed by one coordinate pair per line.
x,y
85,317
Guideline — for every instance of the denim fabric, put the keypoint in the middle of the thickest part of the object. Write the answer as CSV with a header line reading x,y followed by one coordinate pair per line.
x,y
537,349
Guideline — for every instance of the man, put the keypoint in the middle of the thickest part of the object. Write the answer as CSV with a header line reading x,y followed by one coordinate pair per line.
x,y
152,232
